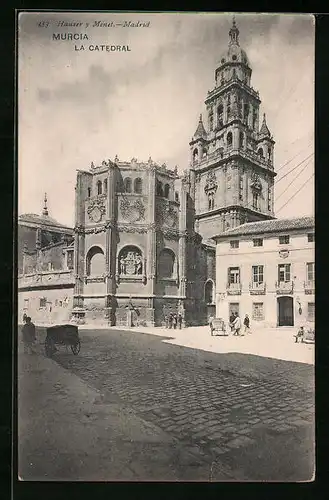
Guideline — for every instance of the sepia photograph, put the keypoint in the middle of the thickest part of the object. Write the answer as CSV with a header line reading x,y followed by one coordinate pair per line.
x,y
165,182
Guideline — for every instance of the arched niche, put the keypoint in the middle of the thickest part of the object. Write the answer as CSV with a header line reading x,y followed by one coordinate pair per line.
x,y
167,266
95,261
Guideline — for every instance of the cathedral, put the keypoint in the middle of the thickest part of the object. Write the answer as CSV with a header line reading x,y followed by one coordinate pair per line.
x,y
143,233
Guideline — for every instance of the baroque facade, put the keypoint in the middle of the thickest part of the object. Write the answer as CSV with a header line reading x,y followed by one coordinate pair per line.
x,y
137,255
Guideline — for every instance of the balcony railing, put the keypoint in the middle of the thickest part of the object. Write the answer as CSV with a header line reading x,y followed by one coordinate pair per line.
x,y
256,288
49,278
309,287
233,289
245,153
284,287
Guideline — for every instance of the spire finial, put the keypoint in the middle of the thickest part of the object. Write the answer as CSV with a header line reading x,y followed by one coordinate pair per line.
x,y
264,117
200,119
234,33
45,208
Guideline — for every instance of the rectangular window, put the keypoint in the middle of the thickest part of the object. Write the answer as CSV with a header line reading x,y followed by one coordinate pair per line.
x,y
26,304
284,240
258,274
284,273
310,269
258,242
258,311
310,237
43,303
311,311
234,244
234,275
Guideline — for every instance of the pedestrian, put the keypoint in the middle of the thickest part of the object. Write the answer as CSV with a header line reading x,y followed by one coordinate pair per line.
x,y
170,319
237,325
180,320
166,321
300,335
28,335
175,321
24,318
246,323
211,319
232,318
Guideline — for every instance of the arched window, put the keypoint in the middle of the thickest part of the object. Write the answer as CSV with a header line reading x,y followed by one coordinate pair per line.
x,y
241,140
127,184
220,115
99,187
89,192
269,153
229,139
105,186
195,155
245,111
177,197
261,152
209,292
95,262
166,190
166,264
138,185
159,188
130,261
211,120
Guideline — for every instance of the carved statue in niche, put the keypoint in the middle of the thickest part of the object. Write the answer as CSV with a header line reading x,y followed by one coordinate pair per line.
x,y
255,182
131,262
211,182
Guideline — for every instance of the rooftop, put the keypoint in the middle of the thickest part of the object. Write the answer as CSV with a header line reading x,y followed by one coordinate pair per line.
x,y
41,220
268,226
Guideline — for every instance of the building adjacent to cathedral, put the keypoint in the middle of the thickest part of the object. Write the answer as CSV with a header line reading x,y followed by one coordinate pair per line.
x,y
143,234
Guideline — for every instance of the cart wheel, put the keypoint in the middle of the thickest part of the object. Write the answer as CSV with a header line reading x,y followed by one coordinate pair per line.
x,y
49,348
76,347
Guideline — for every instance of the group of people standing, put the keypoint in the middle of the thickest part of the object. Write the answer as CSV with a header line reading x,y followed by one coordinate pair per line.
x,y
174,320
236,324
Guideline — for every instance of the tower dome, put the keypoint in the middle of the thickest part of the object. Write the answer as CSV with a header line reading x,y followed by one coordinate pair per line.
x,y
233,53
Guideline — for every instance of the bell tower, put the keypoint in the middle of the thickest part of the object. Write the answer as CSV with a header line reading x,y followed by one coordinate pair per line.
x,y
232,159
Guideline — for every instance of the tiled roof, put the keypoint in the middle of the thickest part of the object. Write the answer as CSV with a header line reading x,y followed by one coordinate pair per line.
x,y
41,220
269,226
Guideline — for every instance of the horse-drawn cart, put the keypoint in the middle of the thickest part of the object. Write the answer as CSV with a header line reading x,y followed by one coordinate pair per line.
x,y
67,335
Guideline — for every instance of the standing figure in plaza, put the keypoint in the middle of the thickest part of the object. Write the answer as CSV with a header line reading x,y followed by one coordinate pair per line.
x,y
237,325
246,323
28,336
179,320
170,320
232,318
24,318
174,320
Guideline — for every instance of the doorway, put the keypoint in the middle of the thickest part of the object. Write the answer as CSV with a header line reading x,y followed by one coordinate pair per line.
x,y
285,311
233,308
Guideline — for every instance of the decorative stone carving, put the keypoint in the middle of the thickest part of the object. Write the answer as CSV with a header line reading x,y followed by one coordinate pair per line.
x,y
211,183
132,211
166,214
255,182
131,229
130,262
96,210
79,229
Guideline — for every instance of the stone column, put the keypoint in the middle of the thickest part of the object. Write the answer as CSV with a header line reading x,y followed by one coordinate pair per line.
x,y
182,248
151,258
110,245
79,241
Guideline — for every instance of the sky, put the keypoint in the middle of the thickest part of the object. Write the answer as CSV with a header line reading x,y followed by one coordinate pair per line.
x,y
76,107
